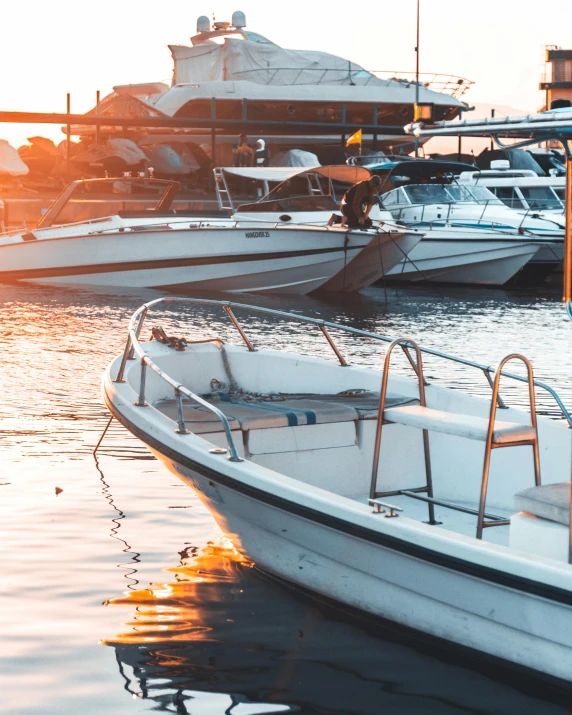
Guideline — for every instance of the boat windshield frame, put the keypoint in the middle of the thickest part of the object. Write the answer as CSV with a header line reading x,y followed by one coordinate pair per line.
x,y
167,191
445,194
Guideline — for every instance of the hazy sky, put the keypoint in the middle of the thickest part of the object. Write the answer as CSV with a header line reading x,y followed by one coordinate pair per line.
x,y
48,49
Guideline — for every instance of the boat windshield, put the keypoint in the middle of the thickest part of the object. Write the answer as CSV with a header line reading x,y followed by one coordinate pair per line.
x,y
450,193
541,197
98,198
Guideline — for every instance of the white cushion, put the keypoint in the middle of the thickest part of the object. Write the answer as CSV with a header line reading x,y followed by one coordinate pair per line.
x,y
457,424
550,501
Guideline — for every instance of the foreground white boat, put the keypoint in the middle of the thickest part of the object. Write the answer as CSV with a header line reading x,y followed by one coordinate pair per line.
x,y
280,448
161,247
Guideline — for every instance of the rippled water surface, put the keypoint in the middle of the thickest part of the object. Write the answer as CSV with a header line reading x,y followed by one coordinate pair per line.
x,y
118,593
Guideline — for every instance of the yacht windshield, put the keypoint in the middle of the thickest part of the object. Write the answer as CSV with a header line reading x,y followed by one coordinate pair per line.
x,y
448,194
541,197
480,194
427,194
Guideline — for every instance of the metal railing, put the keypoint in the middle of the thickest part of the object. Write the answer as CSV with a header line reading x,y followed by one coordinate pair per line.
x,y
355,75
399,214
133,348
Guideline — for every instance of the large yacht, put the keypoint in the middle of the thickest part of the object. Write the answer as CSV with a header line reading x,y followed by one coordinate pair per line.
x,y
231,73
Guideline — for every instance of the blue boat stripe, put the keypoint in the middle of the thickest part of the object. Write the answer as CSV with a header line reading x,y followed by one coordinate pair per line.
x,y
289,412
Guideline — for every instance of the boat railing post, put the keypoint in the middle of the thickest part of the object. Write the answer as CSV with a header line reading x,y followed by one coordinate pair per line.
x,y
334,347
181,429
500,401
137,333
124,358
141,401
237,325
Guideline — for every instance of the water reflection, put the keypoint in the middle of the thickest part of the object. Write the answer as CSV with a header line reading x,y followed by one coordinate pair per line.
x,y
130,567
218,637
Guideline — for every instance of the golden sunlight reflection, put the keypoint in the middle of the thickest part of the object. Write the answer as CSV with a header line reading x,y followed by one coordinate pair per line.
x,y
174,610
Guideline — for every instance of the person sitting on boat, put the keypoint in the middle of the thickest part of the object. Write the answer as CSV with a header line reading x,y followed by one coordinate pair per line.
x,y
242,152
358,201
261,155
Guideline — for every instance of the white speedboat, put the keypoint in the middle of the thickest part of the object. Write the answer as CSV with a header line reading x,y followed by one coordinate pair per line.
x,y
311,197
289,454
471,236
162,247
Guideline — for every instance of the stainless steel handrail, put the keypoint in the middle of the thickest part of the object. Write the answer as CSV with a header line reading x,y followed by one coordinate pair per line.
x,y
133,346
132,342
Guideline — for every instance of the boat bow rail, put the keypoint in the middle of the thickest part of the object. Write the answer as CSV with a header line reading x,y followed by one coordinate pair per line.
x,y
135,350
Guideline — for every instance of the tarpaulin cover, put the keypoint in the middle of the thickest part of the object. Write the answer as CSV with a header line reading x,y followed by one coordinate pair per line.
x,y
294,157
258,62
10,161
167,159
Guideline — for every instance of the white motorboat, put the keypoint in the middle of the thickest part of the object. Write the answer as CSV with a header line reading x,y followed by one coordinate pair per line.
x,y
289,454
531,195
311,197
471,236
522,189
162,247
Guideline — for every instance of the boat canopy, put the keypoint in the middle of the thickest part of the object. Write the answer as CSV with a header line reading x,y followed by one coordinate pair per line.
x,y
343,173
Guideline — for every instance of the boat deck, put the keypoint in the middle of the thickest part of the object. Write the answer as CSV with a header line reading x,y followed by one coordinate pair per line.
x,y
456,521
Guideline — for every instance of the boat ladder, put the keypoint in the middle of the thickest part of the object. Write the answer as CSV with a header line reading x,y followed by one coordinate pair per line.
x,y
495,435
222,193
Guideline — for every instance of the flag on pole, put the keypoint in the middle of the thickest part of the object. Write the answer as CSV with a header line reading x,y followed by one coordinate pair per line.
x,y
355,138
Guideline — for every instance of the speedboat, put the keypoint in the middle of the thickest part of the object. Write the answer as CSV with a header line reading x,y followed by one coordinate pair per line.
x,y
534,196
403,499
471,236
311,197
158,246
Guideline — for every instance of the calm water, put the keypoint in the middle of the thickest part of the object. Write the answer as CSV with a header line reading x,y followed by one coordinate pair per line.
x,y
118,594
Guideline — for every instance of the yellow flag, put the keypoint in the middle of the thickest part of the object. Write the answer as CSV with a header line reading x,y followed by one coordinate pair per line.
x,y
355,138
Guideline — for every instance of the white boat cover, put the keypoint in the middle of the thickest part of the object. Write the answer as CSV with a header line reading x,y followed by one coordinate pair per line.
x,y
343,173
10,162
257,62
294,157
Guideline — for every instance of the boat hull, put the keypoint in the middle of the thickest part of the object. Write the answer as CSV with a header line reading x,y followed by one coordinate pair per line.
x,y
383,253
234,259
475,261
388,582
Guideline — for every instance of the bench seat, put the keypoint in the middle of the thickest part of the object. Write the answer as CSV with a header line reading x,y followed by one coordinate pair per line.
x,y
458,424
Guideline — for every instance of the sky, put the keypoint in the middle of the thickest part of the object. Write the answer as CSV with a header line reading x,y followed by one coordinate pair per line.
x,y
50,49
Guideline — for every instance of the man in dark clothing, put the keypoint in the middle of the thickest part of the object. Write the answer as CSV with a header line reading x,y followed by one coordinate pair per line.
x,y
357,202
242,152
